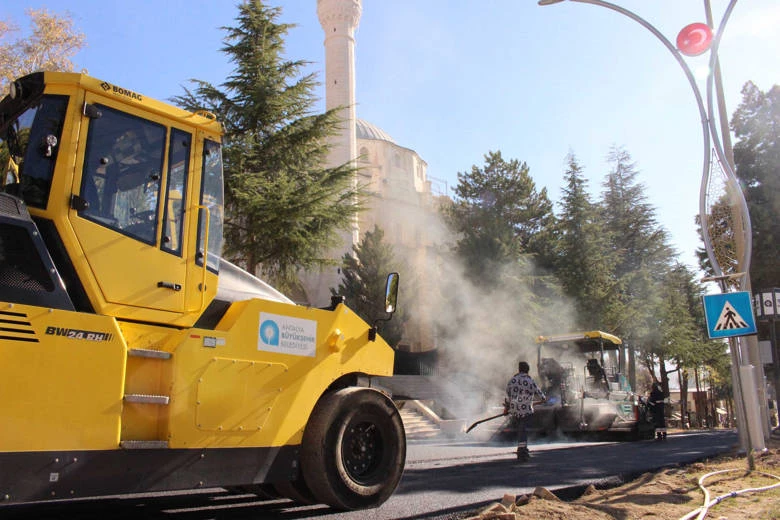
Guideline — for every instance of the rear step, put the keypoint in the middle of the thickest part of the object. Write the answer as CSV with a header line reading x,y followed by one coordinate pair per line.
x,y
143,445
148,353
147,399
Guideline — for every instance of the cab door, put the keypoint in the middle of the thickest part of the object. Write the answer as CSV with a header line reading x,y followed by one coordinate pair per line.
x,y
131,185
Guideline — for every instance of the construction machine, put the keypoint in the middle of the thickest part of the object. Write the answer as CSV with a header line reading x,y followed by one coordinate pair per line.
x,y
133,358
584,378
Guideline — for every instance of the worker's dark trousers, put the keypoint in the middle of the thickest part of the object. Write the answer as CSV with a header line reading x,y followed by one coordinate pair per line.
x,y
660,422
522,435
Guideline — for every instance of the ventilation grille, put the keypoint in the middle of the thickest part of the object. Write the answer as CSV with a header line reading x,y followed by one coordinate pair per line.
x,y
9,205
14,326
20,263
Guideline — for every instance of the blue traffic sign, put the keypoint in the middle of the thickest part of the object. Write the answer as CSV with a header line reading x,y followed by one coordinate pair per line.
x,y
729,314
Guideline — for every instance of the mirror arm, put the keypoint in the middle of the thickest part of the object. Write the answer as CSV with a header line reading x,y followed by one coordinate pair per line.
x,y
373,330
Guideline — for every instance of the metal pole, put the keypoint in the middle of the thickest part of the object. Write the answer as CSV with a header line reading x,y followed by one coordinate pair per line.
x,y
725,130
709,131
743,426
776,368
743,237
703,115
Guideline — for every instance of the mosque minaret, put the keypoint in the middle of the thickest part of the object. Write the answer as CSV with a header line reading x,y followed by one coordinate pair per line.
x,y
339,19
401,202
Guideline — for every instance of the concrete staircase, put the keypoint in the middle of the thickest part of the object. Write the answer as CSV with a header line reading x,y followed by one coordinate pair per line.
x,y
418,426
420,422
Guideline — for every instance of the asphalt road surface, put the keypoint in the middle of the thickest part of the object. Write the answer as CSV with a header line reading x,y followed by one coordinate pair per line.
x,y
440,481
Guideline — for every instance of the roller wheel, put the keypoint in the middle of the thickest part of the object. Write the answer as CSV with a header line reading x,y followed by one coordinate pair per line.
x,y
354,449
295,490
264,491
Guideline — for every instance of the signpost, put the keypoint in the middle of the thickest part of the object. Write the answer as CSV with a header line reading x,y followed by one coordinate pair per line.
x,y
768,309
729,314
768,304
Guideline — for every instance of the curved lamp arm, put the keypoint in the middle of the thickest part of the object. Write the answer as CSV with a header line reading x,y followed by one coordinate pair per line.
x,y
708,127
732,180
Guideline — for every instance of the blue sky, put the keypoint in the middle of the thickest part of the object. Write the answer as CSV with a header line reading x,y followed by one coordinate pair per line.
x,y
453,79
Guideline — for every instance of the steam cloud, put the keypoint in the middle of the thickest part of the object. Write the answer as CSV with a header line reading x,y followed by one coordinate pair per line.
x,y
481,332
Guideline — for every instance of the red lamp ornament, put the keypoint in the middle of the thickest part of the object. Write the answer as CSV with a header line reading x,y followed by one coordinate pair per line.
x,y
694,39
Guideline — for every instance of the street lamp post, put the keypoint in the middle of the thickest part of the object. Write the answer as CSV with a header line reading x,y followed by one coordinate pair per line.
x,y
711,140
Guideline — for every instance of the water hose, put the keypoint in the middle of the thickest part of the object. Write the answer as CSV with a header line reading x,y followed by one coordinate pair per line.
x,y
702,511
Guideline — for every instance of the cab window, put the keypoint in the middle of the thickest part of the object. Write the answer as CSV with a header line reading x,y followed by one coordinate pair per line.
x,y
28,149
211,197
120,186
173,210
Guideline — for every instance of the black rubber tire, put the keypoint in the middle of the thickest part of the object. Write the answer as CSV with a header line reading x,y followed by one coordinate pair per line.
x,y
264,491
354,449
295,490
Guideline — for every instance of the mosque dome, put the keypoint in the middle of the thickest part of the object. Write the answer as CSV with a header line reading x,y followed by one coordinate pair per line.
x,y
366,130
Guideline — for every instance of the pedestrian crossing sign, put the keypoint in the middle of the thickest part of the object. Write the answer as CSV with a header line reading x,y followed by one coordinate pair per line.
x,y
729,314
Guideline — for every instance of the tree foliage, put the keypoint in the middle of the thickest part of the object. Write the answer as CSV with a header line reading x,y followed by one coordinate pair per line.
x,y
584,256
679,337
52,42
498,214
363,285
640,248
502,227
612,259
614,262
756,125
283,207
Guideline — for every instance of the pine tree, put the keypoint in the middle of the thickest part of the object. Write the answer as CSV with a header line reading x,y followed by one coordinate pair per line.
x,y
283,208
642,254
364,276
497,212
499,218
584,260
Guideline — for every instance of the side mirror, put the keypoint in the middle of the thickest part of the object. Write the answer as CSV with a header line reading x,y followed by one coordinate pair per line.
x,y
391,300
391,292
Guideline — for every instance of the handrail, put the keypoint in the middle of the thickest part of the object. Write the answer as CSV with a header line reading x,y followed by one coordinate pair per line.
x,y
205,254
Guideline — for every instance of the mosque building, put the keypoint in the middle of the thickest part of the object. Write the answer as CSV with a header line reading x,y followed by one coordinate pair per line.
x,y
402,203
